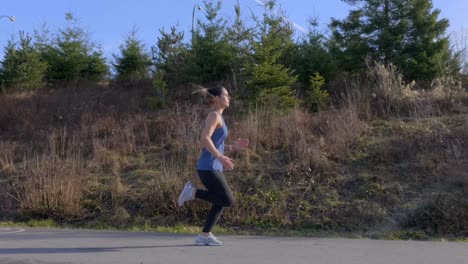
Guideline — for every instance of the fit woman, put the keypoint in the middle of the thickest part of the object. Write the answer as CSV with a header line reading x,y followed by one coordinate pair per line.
x,y
211,164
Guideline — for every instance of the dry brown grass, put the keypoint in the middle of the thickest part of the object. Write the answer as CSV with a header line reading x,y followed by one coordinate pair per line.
x,y
52,183
77,154
382,93
310,139
7,158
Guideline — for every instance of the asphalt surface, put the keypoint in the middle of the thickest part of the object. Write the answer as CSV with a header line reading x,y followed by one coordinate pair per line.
x,y
34,246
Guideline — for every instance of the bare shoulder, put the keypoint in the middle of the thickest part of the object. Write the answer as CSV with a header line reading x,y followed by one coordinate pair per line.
x,y
213,115
213,118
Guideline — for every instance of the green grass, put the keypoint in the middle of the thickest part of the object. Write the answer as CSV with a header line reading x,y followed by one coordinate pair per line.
x,y
272,231
44,223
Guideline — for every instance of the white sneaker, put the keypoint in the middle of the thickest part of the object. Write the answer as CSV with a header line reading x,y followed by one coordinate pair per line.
x,y
186,194
209,240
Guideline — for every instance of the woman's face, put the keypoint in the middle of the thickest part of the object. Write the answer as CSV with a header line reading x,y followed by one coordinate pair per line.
x,y
223,99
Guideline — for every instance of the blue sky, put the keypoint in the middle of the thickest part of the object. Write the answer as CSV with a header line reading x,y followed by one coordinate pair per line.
x,y
110,21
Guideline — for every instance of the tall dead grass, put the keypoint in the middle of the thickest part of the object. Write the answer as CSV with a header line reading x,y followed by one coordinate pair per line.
x,y
7,158
51,184
310,138
382,92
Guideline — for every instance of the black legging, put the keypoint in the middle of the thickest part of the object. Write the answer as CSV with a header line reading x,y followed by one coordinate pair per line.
x,y
217,192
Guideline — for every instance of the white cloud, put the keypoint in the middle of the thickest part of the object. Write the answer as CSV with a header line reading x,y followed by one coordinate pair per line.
x,y
297,26
259,2
300,28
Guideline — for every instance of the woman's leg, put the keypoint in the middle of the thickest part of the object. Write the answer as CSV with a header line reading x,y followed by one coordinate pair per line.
x,y
212,218
217,192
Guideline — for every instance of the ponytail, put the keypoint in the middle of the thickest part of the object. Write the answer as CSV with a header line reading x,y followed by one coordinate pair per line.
x,y
201,90
212,92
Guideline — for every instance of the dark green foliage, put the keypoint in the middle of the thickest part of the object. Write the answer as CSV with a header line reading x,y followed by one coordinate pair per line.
x,y
385,28
347,44
270,83
160,85
211,52
171,56
311,55
426,54
97,68
72,56
240,39
133,63
317,99
406,33
22,67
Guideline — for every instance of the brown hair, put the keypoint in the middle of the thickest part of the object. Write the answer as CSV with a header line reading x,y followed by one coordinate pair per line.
x,y
212,92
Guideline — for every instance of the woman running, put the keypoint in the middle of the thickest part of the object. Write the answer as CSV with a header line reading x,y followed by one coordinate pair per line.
x,y
211,164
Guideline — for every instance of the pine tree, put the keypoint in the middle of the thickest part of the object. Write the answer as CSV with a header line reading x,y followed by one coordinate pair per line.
x,y
426,53
385,27
72,53
171,57
240,39
134,62
348,45
270,83
406,33
97,68
317,99
22,67
311,55
211,52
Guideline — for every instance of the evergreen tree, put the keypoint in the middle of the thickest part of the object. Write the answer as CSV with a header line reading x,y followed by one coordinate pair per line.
x,y
97,68
427,54
160,85
317,99
171,57
385,28
270,82
240,39
71,54
22,67
133,63
212,53
406,33
348,45
311,55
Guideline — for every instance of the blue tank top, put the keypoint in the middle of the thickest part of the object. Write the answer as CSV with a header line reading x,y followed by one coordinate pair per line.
x,y
207,161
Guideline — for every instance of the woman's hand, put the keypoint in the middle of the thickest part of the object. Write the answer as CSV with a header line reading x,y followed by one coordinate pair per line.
x,y
227,162
240,144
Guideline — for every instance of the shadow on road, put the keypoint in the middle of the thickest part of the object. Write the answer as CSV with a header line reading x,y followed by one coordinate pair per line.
x,y
6,251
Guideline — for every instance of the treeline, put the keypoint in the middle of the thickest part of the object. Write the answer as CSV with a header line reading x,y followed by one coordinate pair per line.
x,y
259,59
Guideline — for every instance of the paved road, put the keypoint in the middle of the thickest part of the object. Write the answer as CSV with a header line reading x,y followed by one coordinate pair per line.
x,y
32,246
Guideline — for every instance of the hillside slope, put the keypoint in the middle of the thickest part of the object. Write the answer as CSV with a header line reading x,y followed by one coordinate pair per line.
x,y
95,156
